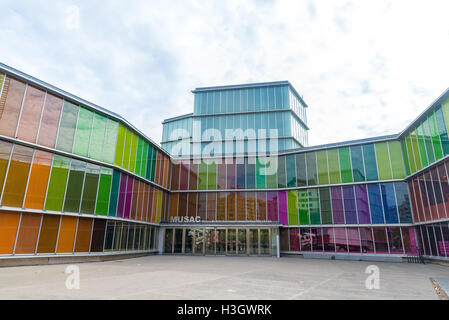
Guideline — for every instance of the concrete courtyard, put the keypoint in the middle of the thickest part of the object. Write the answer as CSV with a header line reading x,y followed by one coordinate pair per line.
x,y
186,277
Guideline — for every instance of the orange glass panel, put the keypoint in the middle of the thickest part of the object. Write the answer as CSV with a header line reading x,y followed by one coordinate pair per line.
x,y
5,151
37,186
154,207
50,121
67,232
31,114
10,104
145,202
83,235
9,222
16,181
167,167
28,232
48,234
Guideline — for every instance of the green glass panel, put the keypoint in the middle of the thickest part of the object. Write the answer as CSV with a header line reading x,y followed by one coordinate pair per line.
x,y
149,162
312,175
202,176
271,171
323,174
90,188
421,145
121,132
260,175
67,127
442,131
57,183
153,164
83,129
405,154
111,142
326,206
212,176
114,193
74,186
334,166
397,162
104,190
314,206
132,160
139,156
435,137
281,173
428,143
290,166
345,165
358,169
97,137
303,202
292,197
143,172
411,157
383,161
445,107
301,170
127,150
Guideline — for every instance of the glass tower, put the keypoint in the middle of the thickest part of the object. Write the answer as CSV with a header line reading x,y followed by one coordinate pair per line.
x,y
239,119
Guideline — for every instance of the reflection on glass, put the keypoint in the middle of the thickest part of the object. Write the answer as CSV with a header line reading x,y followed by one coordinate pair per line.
x,y
168,241
178,241
188,247
264,242
210,241
231,241
253,241
242,242
221,242
199,240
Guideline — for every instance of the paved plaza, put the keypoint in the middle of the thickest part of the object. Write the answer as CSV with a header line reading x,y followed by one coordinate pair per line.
x,y
202,277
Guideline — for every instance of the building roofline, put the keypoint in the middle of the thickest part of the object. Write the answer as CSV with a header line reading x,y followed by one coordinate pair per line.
x,y
184,116
73,98
437,102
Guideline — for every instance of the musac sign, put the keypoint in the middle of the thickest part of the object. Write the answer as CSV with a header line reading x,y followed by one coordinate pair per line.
x,y
185,219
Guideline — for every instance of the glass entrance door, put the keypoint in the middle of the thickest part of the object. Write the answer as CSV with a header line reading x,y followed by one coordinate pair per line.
x,y
178,241
242,249
231,242
221,242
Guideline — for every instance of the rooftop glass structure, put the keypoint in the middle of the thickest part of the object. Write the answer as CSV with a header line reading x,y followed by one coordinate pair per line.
x,y
239,119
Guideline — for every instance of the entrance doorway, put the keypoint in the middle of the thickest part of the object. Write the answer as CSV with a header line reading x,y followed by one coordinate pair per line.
x,y
218,241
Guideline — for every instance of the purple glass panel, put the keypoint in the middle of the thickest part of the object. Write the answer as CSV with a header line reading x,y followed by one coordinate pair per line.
x,y
294,239
305,239
317,239
366,238
337,206
328,240
349,202
272,206
340,240
362,204
353,239
121,195
129,197
283,214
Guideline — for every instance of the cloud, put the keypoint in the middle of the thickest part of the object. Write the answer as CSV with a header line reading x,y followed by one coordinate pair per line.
x,y
363,68
73,17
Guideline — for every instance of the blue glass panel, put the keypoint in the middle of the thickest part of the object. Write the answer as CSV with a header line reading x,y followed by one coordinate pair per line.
x,y
375,204
349,204
389,202
370,162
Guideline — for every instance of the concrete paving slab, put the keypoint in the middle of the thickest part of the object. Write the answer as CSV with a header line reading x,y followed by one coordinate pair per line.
x,y
189,277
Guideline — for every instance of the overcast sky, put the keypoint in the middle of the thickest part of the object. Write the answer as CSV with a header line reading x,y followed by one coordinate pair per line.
x,y
365,68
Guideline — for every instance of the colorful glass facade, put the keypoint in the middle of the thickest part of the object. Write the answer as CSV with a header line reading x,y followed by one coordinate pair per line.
x,y
78,179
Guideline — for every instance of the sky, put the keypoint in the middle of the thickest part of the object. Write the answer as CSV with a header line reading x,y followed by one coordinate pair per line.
x,y
365,68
